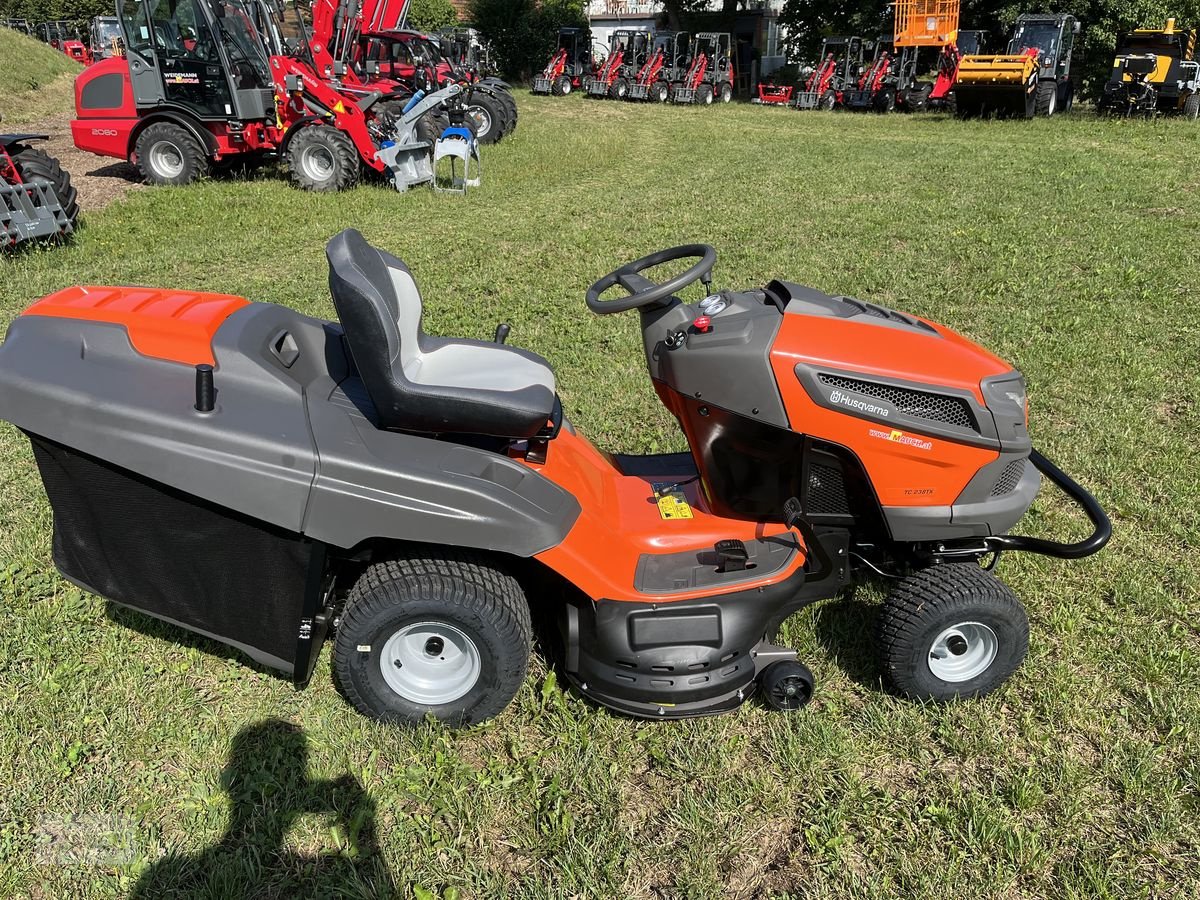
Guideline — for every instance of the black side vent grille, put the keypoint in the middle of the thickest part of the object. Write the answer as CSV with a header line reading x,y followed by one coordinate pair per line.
x,y
921,404
1009,478
826,491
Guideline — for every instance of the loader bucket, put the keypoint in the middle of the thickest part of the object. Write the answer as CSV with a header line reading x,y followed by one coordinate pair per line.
x,y
997,83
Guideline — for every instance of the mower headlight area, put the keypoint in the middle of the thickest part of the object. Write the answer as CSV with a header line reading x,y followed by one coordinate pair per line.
x,y
1008,398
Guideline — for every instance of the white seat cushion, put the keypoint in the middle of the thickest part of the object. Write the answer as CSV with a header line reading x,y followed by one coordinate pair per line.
x,y
492,367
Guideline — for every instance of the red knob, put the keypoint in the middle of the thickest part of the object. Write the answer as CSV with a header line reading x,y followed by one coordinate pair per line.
x,y
703,324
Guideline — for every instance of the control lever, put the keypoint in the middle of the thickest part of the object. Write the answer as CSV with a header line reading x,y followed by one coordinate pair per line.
x,y
733,555
706,280
502,331
793,517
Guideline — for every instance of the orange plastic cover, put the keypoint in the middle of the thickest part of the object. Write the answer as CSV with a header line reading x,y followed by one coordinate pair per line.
x,y
173,325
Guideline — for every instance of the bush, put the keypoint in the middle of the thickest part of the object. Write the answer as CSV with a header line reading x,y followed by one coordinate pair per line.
x,y
523,34
431,15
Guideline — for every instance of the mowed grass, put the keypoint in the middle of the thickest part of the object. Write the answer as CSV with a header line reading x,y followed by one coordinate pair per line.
x,y
36,80
1068,247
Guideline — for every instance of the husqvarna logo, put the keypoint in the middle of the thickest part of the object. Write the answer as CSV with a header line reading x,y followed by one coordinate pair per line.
x,y
865,406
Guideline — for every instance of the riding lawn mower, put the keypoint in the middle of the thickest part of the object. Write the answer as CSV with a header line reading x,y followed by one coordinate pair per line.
x,y
262,477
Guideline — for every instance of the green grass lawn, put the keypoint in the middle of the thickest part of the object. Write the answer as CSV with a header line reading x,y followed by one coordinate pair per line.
x,y
1067,246
36,80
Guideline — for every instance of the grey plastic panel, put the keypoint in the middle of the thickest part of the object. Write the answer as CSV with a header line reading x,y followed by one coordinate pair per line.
x,y
385,484
82,384
975,518
729,366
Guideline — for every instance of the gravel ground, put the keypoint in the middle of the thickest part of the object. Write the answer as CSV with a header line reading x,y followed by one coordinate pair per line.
x,y
99,180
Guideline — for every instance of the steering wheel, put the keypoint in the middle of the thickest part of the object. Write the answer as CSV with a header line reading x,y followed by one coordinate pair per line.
x,y
644,292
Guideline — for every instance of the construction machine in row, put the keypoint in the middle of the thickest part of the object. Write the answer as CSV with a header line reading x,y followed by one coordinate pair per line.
x,y
209,84
37,200
841,61
709,73
666,66
891,81
628,50
65,36
1155,70
1032,78
570,64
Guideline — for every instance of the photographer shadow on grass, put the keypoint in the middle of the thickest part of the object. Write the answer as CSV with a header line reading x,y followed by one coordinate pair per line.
x,y
266,779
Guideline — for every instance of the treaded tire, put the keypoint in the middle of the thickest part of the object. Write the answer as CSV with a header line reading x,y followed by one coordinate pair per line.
x,y
619,89
510,102
704,95
32,163
726,93
166,139
454,587
661,92
489,129
328,145
924,605
1191,107
1047,98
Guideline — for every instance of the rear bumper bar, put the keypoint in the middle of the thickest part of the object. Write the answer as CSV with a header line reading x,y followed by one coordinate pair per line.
x,y
1101,526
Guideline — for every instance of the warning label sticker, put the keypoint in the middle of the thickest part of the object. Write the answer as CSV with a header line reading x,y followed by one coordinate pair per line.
x,y
672,503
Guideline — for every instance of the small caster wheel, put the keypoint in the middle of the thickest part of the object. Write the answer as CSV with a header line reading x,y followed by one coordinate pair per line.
x,y
786,685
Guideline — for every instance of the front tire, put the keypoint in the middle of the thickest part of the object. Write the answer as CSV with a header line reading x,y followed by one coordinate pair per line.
x,y
1047,98
704,95
619,89
951,631
170,154
33,164
563,85
323,159
661,92
726,93
446,634
1191,107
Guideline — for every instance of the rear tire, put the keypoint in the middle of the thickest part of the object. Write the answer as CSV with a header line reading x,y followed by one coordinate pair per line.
x,y
726,93
661,92
704,95
443,633
33,164
323,159
1047,98
489,116
951,631
170,154
1191,107
885,100
1029,110
619,89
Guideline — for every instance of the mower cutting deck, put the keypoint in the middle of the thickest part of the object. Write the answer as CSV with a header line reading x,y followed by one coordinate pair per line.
x,y
260,476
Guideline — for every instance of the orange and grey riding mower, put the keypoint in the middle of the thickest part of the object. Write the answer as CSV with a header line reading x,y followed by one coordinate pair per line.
x,y
260,477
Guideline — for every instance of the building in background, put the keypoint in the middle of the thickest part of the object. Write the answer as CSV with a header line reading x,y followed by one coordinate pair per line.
x,y
755,28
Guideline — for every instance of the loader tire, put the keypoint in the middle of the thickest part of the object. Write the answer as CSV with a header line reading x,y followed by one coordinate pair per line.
x,y
323,159
828,101
167,153
884,101
661,92
726,93
34,164
704,95
561,86
1047,98
509,104
1191,107
488,115
619,89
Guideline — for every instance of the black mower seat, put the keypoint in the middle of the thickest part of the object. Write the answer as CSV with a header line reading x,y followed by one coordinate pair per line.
x,y
422,383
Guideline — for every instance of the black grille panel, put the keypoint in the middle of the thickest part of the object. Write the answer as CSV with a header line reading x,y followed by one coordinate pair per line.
x,y
826,491
921,404
1009,478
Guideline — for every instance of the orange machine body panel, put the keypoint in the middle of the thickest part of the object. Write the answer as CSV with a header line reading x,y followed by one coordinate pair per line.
x,y
905,467
172,325
621,521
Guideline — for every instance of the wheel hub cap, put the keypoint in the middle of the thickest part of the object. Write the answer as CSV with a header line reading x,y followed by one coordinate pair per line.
x,y
963,651
166,159
318,163
430,663
483,121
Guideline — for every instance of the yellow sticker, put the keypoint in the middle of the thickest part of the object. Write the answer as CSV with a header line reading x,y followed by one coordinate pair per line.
x,y
672,504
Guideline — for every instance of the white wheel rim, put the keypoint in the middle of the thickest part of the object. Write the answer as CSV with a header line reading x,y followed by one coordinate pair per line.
x,y
566,86
430,663
962,652
482,120
1053,107
166,159
317,163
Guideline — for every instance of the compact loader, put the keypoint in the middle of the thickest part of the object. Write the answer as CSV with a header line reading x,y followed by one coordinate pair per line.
x,y
1156,70
1032,78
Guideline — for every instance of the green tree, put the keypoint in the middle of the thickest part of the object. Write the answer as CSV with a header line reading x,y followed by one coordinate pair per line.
x,y
524,33
432,15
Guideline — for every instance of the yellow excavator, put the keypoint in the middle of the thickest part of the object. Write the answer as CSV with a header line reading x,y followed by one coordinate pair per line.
x,y
1155,71
1032,78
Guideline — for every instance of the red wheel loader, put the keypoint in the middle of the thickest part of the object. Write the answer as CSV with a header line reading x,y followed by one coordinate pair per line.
x,y
567,68
667,64
825,87
37,200
209,83
709,76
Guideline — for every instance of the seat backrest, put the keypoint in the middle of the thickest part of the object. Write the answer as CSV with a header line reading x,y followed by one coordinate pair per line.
x,y
379,306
